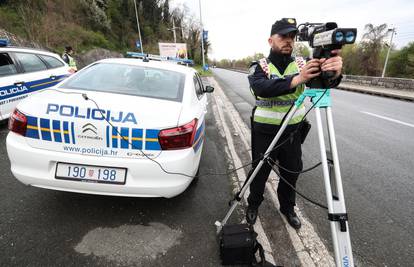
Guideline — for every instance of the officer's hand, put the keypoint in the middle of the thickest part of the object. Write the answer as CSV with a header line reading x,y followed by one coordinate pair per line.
x,y
310,70
332,64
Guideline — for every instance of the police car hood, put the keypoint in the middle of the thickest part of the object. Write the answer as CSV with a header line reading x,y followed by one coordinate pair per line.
x,y
98,123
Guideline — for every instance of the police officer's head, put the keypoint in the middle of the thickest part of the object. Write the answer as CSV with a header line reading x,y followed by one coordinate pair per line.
x,y
68,49
282,35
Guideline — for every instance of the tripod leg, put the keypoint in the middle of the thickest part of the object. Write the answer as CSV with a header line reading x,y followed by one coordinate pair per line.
x,y
336,208
257,169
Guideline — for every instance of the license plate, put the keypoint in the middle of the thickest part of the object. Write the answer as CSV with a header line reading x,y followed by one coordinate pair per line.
x,y
89,173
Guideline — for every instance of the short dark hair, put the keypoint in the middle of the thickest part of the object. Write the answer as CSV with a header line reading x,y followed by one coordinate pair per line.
x,y
68,48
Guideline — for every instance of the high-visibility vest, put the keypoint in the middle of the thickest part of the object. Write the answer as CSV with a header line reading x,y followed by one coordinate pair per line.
x,y
72,62
274,113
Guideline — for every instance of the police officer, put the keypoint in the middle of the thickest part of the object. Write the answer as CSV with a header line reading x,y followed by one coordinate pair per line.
x,y
276,83
68,58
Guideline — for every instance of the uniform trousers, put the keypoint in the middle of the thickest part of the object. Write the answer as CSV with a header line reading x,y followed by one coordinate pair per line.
x,y
288,156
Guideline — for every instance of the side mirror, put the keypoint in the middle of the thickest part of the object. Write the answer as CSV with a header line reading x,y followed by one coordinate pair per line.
x,y
208,89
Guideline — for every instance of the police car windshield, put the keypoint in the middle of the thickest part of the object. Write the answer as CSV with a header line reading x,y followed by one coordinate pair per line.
x,y
129,79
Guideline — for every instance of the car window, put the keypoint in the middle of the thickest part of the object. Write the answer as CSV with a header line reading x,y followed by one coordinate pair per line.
x,y
201,83
53,62
6,65
128,79
198,88
30,62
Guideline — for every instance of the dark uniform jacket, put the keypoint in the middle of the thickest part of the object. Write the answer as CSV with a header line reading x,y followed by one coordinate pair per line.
x,y
262,86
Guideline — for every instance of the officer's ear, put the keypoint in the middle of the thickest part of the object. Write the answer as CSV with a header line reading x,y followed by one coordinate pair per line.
x,y
270,41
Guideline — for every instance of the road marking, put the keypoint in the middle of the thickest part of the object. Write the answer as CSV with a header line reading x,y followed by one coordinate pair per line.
x,y
388,119
309,248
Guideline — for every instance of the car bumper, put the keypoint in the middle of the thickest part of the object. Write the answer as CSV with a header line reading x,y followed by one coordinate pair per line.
x,y
36,167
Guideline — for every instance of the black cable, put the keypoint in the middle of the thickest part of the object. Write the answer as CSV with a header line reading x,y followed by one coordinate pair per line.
x,y
293,188
299,172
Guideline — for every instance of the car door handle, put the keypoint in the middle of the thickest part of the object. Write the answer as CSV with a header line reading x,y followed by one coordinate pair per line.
x,y
18,83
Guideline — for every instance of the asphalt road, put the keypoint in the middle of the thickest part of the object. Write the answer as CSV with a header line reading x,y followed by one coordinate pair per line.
x,y
41,227
376,151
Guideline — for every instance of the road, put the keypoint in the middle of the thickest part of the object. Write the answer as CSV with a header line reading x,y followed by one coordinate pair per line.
x,y
41,227
376,151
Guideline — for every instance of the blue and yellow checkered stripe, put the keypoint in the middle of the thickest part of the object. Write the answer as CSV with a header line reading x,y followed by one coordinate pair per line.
x,y
132,138
199,137
50,130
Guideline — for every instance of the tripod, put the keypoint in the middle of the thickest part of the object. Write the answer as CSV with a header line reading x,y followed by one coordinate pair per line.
x,y
331,173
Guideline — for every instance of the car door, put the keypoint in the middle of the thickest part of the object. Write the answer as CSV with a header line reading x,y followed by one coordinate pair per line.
x,y
201,110
33,77
58,70
201,94
9,74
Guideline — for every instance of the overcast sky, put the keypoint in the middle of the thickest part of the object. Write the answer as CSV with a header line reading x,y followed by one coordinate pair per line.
x,y
239,28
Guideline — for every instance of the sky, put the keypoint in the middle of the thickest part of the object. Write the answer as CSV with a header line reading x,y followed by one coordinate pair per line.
x,y
240,28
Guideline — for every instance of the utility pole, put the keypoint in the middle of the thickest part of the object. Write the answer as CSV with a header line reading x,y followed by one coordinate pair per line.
x,y
201,32
139,30
175,36
388,53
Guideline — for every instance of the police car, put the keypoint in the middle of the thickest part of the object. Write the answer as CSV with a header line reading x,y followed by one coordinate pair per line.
x,y
113,129
25,71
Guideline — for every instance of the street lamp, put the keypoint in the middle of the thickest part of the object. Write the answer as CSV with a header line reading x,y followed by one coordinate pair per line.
x,y
139,30
388,53
201,31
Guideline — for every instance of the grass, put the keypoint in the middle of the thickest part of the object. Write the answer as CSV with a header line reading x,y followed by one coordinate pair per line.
x,y
202,72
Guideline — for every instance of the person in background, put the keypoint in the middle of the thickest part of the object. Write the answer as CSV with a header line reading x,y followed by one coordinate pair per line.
x,y
68,58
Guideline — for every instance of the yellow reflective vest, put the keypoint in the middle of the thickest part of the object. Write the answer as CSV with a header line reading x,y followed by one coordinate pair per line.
x,y
274,108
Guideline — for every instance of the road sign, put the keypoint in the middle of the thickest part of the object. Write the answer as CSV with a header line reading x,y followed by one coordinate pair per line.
x,y
205,35
138,44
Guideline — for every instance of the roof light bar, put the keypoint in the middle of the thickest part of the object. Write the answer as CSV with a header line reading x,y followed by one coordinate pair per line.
x,y
159,58
4,42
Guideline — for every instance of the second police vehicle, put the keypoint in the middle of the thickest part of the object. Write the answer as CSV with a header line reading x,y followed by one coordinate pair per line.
x,y
123,127
24,71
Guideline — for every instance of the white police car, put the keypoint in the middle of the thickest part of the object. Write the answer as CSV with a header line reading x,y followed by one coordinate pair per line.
x,y
108,128
24,71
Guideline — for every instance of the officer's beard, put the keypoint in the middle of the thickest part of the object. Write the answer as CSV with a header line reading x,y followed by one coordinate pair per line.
x,y
279,59
284,50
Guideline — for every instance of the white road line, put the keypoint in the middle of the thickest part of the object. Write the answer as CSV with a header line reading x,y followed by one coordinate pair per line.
x,y
309,247
388,119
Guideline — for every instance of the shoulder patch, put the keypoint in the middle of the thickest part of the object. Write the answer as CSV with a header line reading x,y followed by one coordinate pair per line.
x,y
265,66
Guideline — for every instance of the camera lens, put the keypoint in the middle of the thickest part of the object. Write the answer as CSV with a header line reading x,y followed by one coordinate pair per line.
x,y
339,37
350,37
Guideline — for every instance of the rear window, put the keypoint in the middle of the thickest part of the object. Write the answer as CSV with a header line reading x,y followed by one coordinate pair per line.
x,y
128,79
53,62
6,65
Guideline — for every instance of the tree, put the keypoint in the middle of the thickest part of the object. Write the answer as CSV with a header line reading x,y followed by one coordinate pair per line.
x,y
372,44
301,50
351,55
402,63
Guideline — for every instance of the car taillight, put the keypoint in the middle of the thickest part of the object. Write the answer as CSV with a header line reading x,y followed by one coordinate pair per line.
x,y
178,138
18,122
